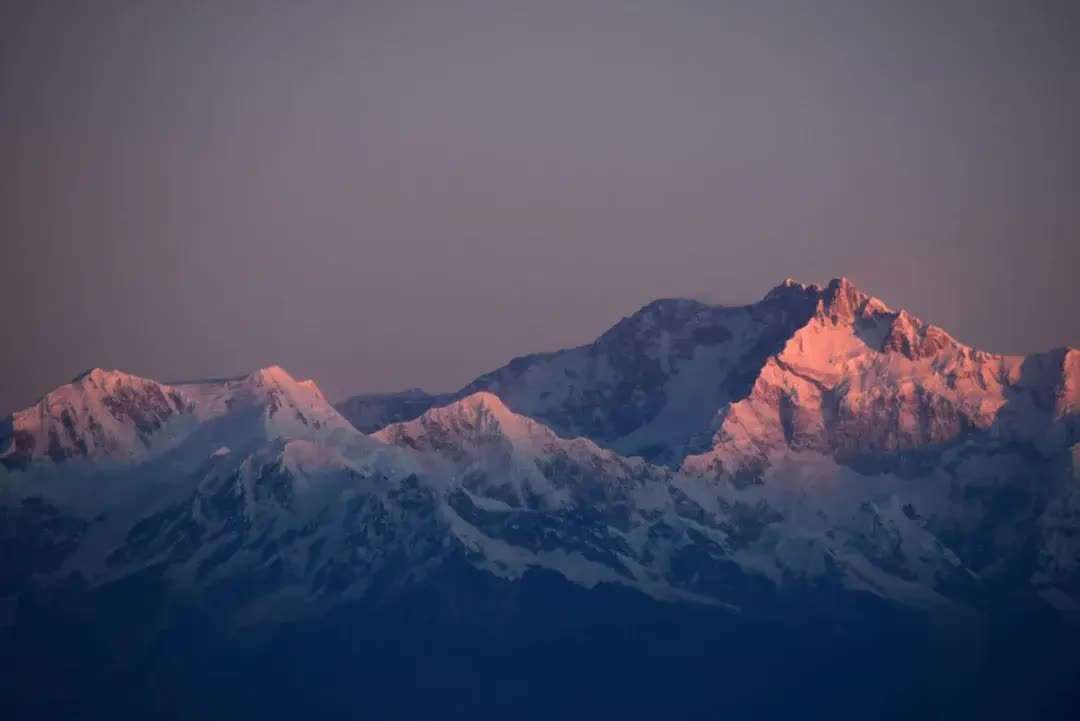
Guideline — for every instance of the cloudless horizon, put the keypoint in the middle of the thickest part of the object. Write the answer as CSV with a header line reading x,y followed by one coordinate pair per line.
x,y
379,195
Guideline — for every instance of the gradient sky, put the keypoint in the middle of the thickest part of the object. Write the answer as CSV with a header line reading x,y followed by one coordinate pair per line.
x,y
387,194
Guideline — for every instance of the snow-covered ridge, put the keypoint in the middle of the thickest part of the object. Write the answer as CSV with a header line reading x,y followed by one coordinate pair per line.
x,y
495,452
101,413
661,382
680,382
480,416
834,439
650,385
861,379
112,415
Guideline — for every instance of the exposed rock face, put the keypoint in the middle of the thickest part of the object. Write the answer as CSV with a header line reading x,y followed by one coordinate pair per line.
x,y
914,339
99,414
859,381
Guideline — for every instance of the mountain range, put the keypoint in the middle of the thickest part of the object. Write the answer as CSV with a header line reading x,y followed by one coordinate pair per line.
x,y
811,462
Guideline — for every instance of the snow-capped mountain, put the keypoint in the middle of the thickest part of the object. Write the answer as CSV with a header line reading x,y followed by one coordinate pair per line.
x,y
649,386
801,454
109,415
662,382
872,442
498,453
520,496
863,383
100,414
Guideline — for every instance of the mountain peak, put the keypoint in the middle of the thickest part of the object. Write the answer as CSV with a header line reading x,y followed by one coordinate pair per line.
x,y
913,338
98,376
660,313
790,282
90,373
484,400
479,409
276,376
478,416
111,414
670,304
271,374
790,287
100,413
842,300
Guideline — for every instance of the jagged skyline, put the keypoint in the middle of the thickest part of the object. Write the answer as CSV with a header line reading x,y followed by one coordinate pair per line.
x,y
815,395
814,462
841,290
656,384
378,195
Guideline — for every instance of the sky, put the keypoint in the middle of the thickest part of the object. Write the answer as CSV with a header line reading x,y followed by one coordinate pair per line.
x,y
389,194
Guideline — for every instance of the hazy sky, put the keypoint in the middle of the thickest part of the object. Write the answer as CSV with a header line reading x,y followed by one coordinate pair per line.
x,y
387,194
